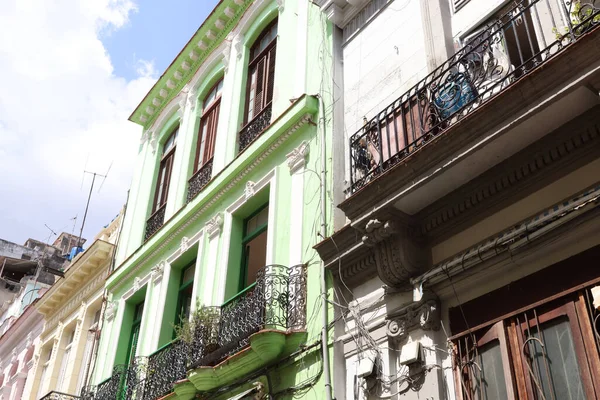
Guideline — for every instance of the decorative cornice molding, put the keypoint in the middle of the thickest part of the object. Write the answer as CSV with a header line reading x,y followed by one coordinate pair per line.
x,y
94,284
224,19
424,315
296,159
569,144
214,225
143,262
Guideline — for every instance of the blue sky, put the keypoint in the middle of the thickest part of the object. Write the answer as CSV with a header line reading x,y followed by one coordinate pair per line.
x,y
71,73
156,32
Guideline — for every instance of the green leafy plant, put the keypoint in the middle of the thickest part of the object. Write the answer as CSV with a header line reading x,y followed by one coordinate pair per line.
x,y
580,19
202,317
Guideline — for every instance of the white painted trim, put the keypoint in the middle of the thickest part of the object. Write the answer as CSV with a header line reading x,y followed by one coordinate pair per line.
x,y
271,231
227,226
296,215
132,290
211,267
258,186
198,270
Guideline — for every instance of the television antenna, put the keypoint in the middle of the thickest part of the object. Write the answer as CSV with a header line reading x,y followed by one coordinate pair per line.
x,y
94,175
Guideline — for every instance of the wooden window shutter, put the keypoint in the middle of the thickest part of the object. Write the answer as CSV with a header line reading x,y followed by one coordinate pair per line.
x,y
270,75
260,86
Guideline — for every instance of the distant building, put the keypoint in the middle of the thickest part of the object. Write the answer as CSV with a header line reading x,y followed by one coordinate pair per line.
x,y
66,241
26,273
71,310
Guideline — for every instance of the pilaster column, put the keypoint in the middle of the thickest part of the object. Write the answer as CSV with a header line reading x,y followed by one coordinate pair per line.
x,y
213,233
296,161
159,277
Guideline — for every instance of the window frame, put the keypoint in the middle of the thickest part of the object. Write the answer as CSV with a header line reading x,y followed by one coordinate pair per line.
x,y
247,238
214,107
135,324
183,286
253,63
494,332
165,166
511,331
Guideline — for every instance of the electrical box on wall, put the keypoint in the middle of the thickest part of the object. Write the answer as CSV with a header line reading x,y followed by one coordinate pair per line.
x,y
411,353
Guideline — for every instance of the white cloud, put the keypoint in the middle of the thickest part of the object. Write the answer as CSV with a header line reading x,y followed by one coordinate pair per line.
x,y
60,105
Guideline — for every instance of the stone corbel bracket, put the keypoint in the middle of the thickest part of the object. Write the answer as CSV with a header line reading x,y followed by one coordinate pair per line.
x,y
397,255
424,315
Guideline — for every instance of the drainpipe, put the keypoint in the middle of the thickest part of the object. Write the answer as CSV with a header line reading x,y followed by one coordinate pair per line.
x,y
324,304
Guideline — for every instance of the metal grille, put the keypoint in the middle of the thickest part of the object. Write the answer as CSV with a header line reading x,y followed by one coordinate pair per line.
x,y
255,128
155,222
165,366
199,180
126,382
276,301
548,350
506,50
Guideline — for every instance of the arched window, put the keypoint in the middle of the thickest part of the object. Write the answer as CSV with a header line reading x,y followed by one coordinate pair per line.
x,y
261,72
207,132
164,172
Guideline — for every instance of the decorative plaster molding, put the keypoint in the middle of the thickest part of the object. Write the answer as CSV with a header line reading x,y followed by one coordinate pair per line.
x,y
111,310
184,244
227,53
214,225
157,271
249,190
397,256
424,315
234,181
238,45
137,283
296,159
154,142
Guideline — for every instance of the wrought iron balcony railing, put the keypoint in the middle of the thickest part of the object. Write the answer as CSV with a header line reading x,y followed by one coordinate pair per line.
x,y
127,382
276,301
199,180
59,396
506,50
155,221
165,366
255,128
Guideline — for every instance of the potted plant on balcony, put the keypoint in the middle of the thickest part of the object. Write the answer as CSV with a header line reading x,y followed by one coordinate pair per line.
x,y
199,332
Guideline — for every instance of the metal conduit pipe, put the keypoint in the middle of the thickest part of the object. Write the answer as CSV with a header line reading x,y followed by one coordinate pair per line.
x,y
526,233
324,304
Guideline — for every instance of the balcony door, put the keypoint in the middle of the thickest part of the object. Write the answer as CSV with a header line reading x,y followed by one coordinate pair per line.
x,y
135,333
184,296
254,244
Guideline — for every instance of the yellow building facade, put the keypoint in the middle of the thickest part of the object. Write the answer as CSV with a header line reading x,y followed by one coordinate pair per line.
x,y
72,311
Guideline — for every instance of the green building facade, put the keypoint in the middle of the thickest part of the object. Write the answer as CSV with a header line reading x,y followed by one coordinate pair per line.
x,y
229,196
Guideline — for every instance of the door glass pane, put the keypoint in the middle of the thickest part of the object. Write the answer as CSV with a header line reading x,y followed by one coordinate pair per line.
x,y
488,379
256,253
555,365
